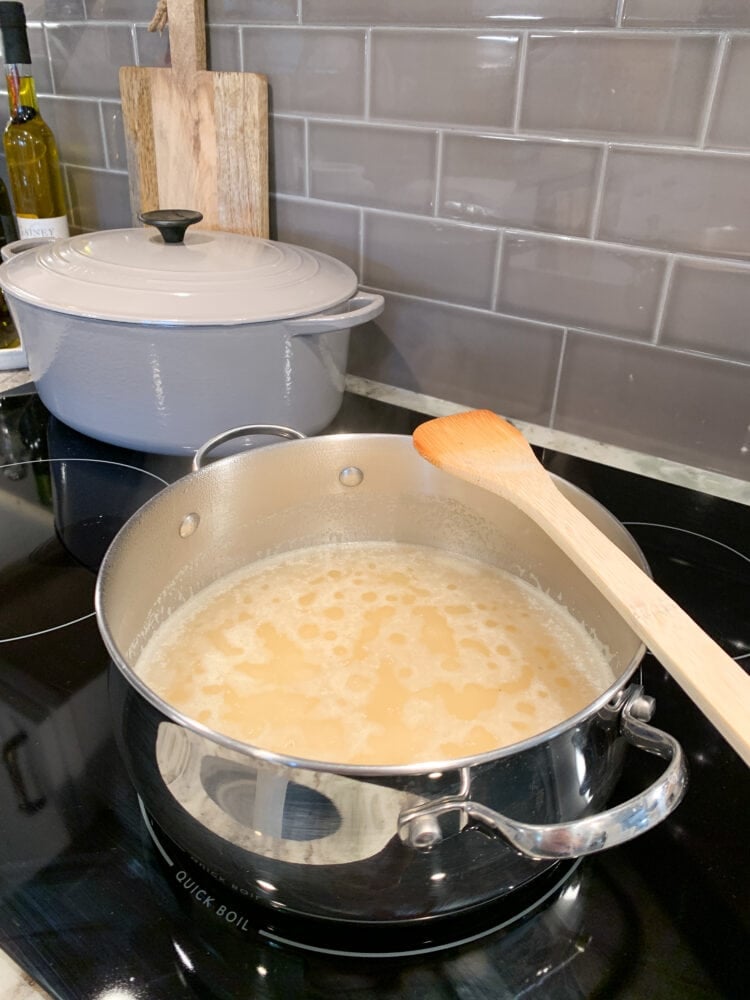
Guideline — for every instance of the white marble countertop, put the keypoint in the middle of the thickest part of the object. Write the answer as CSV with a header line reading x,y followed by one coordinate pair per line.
x,y
14,983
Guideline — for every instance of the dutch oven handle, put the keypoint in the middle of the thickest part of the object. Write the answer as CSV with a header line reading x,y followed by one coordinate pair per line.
x,y
276,429
419,826
359,309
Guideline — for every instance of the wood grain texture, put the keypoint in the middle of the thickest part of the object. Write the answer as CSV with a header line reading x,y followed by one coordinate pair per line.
x,y
484,449
197,139
135,88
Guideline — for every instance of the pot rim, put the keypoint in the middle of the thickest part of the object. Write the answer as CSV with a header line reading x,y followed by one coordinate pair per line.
x,y
212,278
355,770
139,327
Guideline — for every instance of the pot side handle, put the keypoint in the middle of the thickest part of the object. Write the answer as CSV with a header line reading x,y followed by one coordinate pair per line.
x,y
362,307
419,826
247,430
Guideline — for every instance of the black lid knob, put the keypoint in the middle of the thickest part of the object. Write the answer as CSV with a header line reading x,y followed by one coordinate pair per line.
x,y
171,222
13,27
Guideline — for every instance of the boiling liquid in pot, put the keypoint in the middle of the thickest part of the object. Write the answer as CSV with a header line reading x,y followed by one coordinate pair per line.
x,y
375,653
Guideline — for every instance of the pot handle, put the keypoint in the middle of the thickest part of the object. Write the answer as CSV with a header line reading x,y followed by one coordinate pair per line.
x,y
360,309
214,442
11,250
419,827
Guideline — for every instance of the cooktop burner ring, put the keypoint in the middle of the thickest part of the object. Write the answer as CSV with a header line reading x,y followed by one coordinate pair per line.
x,y
192,883
706,576
60,515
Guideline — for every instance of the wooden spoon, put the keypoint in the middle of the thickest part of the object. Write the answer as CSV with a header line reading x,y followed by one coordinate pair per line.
x,y
484,449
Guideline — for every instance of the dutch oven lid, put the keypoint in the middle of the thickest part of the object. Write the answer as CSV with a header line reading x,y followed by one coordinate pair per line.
x,y
194,278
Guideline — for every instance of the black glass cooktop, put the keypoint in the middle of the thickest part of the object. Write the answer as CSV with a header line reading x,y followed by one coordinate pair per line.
x,y
96,902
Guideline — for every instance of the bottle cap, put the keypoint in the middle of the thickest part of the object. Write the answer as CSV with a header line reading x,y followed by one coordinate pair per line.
x,y
13,28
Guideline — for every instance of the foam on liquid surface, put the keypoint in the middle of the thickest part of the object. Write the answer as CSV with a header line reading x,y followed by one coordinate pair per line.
x,y
375,653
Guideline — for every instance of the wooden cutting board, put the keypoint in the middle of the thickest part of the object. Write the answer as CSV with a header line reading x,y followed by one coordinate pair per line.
x,y
197,139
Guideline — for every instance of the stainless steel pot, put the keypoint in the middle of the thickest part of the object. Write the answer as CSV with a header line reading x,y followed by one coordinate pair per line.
x,y
160,343
359,843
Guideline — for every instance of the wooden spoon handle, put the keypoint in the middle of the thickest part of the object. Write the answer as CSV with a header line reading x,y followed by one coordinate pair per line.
x,y
718,686
187,35
486,450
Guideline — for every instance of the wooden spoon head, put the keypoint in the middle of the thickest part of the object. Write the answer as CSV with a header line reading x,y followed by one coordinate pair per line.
x,y
478,446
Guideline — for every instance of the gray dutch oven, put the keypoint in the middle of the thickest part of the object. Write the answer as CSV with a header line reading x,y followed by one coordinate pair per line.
x,y
160,340
361,843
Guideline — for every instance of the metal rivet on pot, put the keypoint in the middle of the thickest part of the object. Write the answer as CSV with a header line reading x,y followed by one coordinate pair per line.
x,y
643,708
188,525
351,476
424,832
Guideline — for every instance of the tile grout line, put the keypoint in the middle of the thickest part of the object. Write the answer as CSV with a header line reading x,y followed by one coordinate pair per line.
x,y
661,307
636,249
103,131
495,290
367,96
561,327
596,208
437,189
492,133
520,81
361,245
48,52
558,379
308,165
717,70
619,13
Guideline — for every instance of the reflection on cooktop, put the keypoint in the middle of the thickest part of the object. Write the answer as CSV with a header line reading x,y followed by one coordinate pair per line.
x,y
707,578
59,517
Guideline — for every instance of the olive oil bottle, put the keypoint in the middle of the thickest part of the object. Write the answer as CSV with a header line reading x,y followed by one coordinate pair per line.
x,y
36,183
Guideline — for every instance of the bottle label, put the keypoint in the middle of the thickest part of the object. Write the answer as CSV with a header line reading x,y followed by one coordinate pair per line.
x,y
30,228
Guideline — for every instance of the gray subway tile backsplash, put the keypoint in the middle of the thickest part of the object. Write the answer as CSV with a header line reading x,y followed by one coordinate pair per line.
x,y
114,135
678,201
98,199
54,10
251,11
708,310
431,258
78,128
85,60
223,49
286,155
120,10
40,62
459,77
152,47
687,13
681,406
515,182
581,284
639,86
552,196
311,71
487,13
371,165
331,229
730,122
473,358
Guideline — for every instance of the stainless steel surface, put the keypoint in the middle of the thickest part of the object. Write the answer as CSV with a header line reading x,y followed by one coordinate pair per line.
x,y
581,836
321,838
275,430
